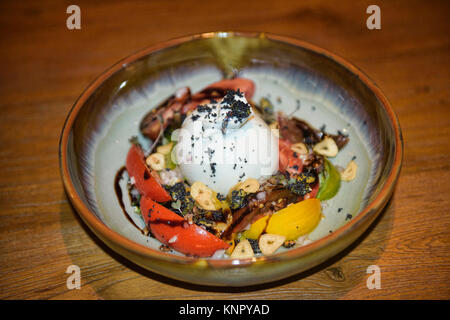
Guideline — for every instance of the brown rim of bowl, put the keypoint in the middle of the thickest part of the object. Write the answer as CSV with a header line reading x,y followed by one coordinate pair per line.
x,y
368,213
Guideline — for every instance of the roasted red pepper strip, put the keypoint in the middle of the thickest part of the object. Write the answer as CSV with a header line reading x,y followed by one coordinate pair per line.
x,y
288,160
175,232
246,86
146,181
183,102
217,90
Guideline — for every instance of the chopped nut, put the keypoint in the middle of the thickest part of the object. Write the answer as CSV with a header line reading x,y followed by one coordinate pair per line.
x,y
204,196
221,226
299,148
250,185
156,161
243,250
269,243
350,171
207,202
327,147
198,188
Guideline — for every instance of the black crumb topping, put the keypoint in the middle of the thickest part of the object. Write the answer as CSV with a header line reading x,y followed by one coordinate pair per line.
x,y
213,168
203,108
348,217
302,184
255,245
221,197
230,95
183,200
178,191
239,110
195,117
238,199
218,216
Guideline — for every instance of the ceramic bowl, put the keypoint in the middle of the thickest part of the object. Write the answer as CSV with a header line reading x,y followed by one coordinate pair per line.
x,y
297,77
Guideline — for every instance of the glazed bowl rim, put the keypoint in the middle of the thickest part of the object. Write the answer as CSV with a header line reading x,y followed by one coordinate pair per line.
x,y
372,209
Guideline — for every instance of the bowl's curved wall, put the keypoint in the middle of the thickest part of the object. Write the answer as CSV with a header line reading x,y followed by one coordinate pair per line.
x,y
327,90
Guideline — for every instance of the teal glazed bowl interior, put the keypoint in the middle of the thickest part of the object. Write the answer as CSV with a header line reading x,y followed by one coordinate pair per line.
x,y
289,72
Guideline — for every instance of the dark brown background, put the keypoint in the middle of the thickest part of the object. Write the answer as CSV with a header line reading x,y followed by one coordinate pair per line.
x,y
44,67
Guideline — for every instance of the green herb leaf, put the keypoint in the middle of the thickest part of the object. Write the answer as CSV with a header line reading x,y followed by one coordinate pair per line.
x,y
330,182
176,205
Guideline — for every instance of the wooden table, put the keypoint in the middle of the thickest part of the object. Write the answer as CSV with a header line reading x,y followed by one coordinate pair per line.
x,y
44,67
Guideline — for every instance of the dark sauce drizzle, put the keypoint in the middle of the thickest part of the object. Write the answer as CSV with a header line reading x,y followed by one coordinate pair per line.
x,y
119,195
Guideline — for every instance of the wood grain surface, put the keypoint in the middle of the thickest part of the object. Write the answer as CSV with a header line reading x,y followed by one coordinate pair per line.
x,y
44,67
